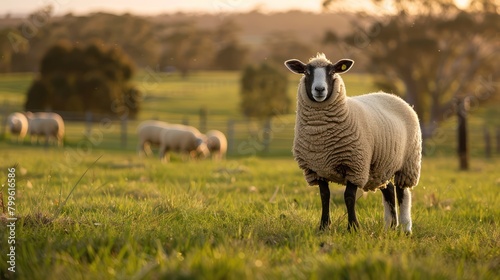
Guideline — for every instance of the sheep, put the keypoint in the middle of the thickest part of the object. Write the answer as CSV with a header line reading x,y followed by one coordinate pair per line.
x,y
361,142
181,140
18,126
50,125
149,134
217,144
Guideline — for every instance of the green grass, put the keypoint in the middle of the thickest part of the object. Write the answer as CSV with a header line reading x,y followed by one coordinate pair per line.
x,y
244,218
249,218
170,98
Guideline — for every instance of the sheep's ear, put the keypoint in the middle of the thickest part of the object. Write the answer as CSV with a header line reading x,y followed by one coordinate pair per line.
x,y
296,66
343,66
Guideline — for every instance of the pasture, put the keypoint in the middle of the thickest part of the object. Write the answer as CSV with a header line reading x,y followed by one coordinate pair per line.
x,y
251,218
95,210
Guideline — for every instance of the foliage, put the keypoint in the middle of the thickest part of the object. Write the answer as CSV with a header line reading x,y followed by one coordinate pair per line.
x,y
189,47
264,92
95,78
433,55
238,219
284,46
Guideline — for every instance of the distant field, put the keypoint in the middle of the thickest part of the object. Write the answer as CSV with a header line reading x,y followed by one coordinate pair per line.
x,y
244,218
170,98
249,218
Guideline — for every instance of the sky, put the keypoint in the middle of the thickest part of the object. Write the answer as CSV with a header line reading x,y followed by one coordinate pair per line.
x,y
154,7
151,7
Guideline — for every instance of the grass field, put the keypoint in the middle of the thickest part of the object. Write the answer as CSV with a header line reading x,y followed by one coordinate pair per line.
x,y
169,97
243,218
251,218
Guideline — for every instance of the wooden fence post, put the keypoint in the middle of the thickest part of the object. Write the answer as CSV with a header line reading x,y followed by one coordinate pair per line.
x,y
5,114
463,149
88,122
123,137
498,139
230,136
185,121
203,119
487,142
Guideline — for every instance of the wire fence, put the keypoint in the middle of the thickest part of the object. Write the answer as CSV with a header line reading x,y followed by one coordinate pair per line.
x,y
87,132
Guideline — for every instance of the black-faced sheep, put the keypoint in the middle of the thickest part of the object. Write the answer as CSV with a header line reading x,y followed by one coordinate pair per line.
x,y
361,142
217,144
48,125
18,126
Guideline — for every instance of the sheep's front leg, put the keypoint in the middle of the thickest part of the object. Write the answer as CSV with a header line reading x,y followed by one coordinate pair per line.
x,y
324,191
390,217
350,202
404,202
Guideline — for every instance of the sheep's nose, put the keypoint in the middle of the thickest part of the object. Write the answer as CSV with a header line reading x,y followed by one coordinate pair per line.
x,y
319,89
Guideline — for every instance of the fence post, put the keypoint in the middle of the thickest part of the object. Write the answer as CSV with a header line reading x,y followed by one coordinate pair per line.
x,y
487,142
498,139
203,119
185,121
230,135
463,147
5,115
123,137
88,122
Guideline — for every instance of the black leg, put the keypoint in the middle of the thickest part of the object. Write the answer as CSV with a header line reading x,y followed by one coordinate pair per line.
x,y
350,202
400,192
390,199
324,191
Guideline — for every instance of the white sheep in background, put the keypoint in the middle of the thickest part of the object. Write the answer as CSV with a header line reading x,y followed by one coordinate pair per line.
x,y
18,126
149,135
45,124
217,144
361,142
184,141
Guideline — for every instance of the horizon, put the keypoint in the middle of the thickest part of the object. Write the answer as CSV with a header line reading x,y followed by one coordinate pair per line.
x,y
157,7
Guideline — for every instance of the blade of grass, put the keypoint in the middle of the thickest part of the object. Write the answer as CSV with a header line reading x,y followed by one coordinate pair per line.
x,y
61,205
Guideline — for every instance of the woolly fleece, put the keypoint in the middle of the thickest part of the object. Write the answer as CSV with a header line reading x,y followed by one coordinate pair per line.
x,y
366,139
216,143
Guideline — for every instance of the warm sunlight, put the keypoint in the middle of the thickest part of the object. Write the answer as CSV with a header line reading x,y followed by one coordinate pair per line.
x,y
150,7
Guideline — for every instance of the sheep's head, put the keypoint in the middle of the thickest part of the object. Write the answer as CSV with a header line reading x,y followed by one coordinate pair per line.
x,y
319,75
202,148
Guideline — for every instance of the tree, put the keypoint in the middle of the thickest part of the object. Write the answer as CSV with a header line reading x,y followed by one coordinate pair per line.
x,y
283,46
95,78
434,55
264,95
187,48
230,54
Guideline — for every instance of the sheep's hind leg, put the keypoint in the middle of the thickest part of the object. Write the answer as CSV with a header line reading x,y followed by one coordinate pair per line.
x,y
350,202
324,191
404,202
390,217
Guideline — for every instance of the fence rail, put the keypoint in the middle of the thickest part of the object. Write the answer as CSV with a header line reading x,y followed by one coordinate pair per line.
x,y
86,132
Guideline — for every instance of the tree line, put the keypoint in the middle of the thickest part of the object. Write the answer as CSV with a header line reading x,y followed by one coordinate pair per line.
x,y
438,57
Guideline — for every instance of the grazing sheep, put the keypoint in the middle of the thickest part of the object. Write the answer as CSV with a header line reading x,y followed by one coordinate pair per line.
x,y
18,126
361,142
149,134
49,125
217,144
181,140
